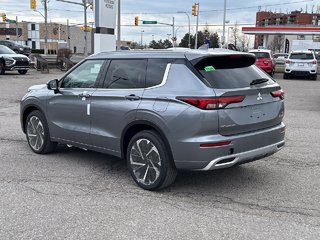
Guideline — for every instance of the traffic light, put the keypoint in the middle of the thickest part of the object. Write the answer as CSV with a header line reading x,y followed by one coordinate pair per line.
x,y
33,4
91,6
194,9
4,17
136,21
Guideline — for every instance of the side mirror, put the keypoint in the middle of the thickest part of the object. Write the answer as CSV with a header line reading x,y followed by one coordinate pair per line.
x,y
53,85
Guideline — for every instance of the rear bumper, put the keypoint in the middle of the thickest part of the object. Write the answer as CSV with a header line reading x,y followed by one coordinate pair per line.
x,y
243,148
228,161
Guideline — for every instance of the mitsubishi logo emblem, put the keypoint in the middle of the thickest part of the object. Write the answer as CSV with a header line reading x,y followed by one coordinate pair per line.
x,y
259,97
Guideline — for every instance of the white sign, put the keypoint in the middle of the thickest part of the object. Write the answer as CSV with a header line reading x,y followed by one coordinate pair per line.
x,y
105,13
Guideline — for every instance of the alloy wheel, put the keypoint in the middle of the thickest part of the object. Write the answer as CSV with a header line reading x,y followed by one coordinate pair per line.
x,y
35,133
145,161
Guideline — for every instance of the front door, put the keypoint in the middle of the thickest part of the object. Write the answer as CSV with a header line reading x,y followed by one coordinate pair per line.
x,y
69,109
115,105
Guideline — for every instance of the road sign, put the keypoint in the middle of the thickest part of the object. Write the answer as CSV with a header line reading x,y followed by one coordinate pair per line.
x,y
11,21
149,22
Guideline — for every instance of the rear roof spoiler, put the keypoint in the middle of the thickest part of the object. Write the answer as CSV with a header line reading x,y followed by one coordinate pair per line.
x,y
223,61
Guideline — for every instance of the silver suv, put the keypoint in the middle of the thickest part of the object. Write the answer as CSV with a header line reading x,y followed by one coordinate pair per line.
x,y
301,63
161,111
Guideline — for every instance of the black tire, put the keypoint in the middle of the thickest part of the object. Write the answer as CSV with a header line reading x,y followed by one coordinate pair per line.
x,y
313,77
2,69
38,133
285,76
158,170
22,71
272,73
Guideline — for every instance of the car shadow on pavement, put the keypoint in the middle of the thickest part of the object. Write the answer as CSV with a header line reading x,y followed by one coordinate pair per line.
x,y
106,167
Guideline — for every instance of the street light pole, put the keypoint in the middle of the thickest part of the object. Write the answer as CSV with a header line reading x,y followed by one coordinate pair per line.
x,y
228,36
196,40
224,23
142,31
189,44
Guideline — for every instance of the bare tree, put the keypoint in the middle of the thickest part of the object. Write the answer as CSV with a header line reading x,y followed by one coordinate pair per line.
x,y
277,43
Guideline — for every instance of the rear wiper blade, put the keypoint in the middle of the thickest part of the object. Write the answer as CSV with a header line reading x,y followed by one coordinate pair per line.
x,y
259,81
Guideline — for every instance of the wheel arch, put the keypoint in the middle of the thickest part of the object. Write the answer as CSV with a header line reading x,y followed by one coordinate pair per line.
x,y
138,126
26,111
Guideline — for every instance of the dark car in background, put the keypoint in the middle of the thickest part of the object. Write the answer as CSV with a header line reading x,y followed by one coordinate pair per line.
x,y
11,61
17,48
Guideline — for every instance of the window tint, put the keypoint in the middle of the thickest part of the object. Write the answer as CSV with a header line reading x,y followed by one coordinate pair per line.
x,y
155,72
261,54
84,76
124,74
301,56
233,77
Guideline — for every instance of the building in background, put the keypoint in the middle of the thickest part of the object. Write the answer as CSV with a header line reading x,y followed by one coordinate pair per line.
x,y
33,35
282,32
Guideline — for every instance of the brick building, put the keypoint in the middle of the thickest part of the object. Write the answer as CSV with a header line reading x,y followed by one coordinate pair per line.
x,y
293,19
33,35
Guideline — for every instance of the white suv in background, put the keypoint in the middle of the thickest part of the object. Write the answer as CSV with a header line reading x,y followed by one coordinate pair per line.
x,y
302,63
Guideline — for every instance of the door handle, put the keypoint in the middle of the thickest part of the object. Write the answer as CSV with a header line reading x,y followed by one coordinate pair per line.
x,y
132,97
84,95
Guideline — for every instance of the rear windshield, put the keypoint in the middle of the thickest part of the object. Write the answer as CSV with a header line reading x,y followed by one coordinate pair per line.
x,y
261,54
233,77
301,56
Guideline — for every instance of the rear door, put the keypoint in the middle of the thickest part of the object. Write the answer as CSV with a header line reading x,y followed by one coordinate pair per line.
x,y
234,75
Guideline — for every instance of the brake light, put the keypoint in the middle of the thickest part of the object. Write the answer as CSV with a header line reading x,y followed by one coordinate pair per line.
x,y
314,62
278,93
288,61
211,103
216,144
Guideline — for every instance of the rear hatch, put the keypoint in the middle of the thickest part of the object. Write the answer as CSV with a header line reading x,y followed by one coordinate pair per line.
x,y
263,59
301,61
234,75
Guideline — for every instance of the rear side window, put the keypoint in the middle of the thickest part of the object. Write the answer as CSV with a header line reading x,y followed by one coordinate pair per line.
x,y
305,56
126,74
155,72
229,73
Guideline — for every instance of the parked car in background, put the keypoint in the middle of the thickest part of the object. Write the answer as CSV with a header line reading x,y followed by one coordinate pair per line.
x,y
264,60
280,58
17,48
161,111
11,61
301,63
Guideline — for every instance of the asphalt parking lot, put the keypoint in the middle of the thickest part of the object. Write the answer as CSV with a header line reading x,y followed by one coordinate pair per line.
x,y
77,194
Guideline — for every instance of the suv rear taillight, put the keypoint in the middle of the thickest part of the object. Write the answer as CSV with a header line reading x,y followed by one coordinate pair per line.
x,y
314,62
288,62
278,93
211,103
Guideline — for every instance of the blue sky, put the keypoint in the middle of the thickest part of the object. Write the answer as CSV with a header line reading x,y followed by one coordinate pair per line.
x,y
211,13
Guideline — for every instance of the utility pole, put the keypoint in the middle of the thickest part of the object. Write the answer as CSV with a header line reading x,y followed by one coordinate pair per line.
x,y
17,29
196,43
85,6
119,26
85,28
46,26
68,34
